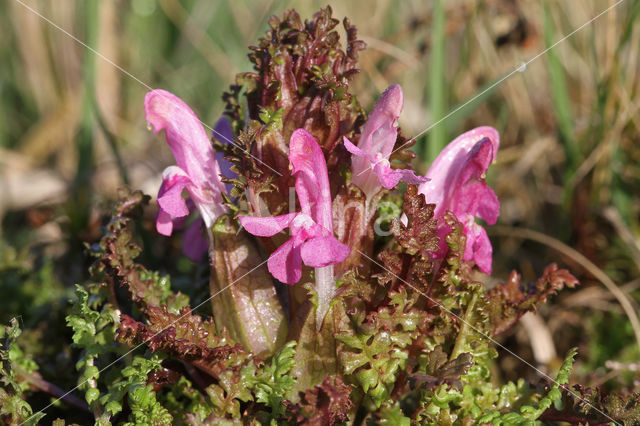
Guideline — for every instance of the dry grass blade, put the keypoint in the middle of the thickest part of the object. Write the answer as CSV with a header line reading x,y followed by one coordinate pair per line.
x,y
613,216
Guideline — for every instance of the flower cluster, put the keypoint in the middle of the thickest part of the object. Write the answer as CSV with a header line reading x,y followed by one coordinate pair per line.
x,y
455,182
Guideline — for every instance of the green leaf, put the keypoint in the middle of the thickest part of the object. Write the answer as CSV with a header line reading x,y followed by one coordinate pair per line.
x,y
270,384
13,407
391,414
93,332
145,408
527,414
315,356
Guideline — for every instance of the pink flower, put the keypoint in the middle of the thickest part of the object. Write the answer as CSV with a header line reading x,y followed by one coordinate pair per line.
x,y
312,241
197,171
458,185
370,165
194,245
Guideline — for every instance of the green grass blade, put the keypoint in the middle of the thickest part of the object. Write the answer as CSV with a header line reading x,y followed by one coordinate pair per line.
x,y
79,206
560,95
112,140
437,84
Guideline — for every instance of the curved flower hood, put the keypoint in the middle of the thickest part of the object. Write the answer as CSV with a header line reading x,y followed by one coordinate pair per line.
x,y
197,170
457,184
370,165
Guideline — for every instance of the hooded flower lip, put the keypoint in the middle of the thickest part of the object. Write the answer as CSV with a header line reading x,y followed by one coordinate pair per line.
x,y
387,177
457,184
312,241
194,245
197,170
370,163
312,180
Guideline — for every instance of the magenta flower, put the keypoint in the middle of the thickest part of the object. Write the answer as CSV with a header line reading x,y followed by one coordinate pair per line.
x,y
370,165
194,245
197,171
458,185
312,241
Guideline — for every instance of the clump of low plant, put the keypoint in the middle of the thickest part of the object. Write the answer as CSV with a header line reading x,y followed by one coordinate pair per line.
x,y
372,306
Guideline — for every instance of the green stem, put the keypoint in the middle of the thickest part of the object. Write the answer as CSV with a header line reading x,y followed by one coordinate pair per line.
x,y
92,383
466,330
326,287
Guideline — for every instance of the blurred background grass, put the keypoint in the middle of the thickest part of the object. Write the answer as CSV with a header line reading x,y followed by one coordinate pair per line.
x,y
72,130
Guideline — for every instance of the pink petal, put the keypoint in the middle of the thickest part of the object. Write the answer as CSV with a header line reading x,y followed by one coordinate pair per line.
x,y
389,177
379,133
378,137
186,136
488,208
323,251
266,226
304,228
179,222
472,196
285,264
170,194
477,199
354,149
478,247
194,245
458,184
477,162
312,180
191,148
447,170
164,224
